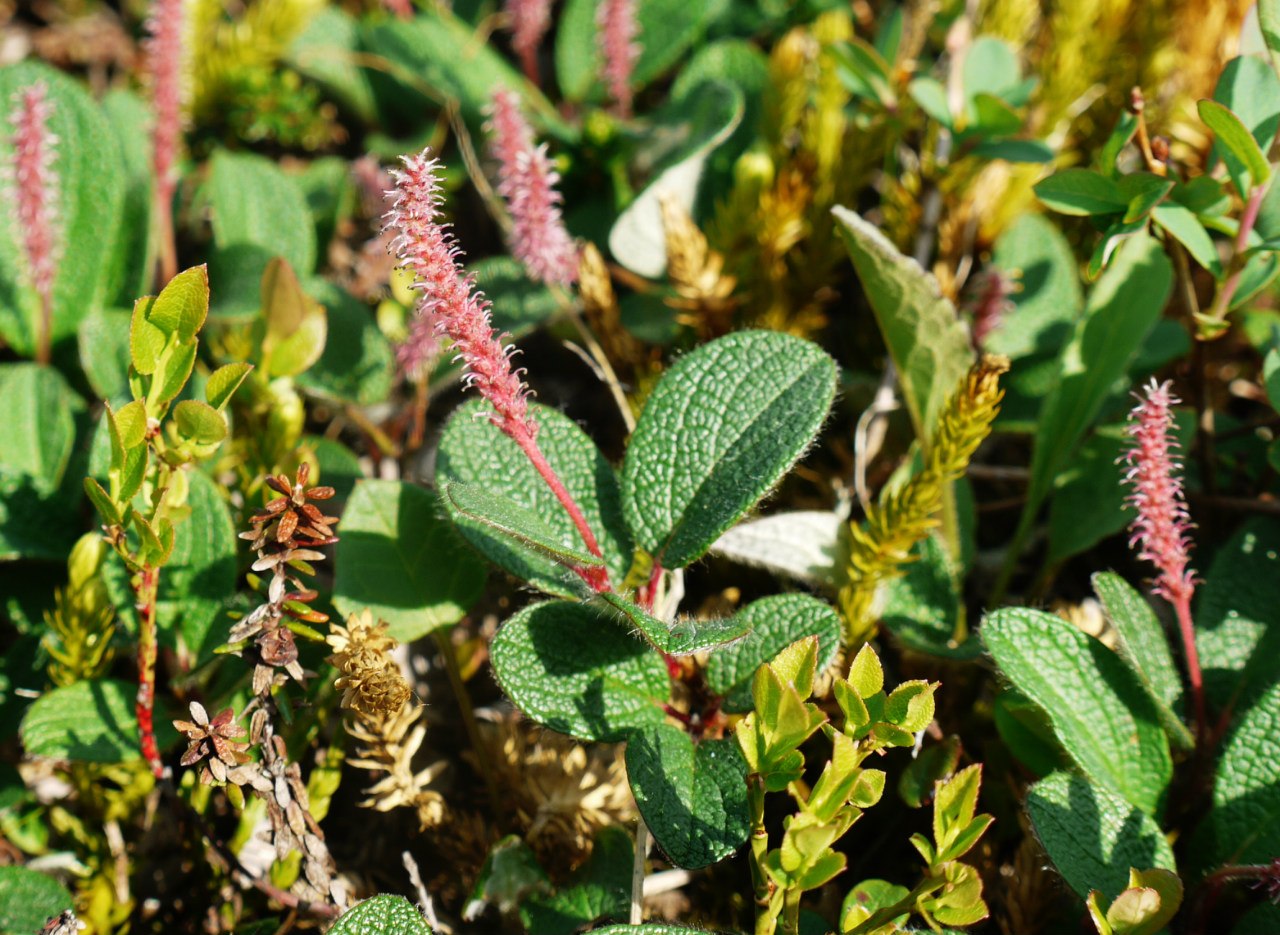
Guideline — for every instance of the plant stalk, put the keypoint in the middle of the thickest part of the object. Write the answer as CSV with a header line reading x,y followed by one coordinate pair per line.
x,y
636,915
147,589
1222,304
1182,606
450,657
766,917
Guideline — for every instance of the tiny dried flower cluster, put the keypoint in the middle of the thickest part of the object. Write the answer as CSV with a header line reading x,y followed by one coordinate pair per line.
x,y
387,728
286,535
213,741
527,181
35,187
451,305
1162,525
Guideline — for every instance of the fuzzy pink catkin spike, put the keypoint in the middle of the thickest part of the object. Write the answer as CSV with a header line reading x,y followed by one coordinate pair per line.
x,y
618,30
449,300
35,194
451,306
527,181
530,20
163,48
1161,528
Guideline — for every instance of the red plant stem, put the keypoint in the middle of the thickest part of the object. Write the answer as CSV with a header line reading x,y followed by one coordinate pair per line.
x,y
598,578
167,262
1247,221
1182,606
147,590
529,62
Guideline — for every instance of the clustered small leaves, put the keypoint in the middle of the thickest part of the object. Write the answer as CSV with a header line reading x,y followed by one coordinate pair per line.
x,y
904,516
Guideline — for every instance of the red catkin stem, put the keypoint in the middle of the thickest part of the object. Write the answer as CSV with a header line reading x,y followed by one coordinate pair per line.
x,y
147,590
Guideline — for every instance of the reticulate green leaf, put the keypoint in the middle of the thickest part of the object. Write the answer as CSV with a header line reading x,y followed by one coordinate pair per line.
x,y
1142,643
28,898
600,888
1244,824
571,668
103,343
718,431
1100,712
400,558
37,423
505,517
382,915
88,722
474,451
926,339
693,798
775,623
684,636
90,171
1094,836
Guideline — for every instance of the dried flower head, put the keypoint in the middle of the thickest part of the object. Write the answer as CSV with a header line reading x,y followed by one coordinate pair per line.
x,y
527,181
1161,527
704,291
450,303
213,740
35,190
388,743
370,682
618,30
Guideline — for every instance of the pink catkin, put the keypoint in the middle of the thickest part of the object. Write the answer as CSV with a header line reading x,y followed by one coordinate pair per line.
x,y
401,8
1160,529
989,303
163,48
527,181
618,30
530,20
35,190
450,304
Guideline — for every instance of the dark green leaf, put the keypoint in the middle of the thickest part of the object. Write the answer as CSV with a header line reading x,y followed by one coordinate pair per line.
x,y
717,432
600,889
1249,89
1081,192
28,898
1237,630
133,265
90,172
383,915
1144,190
103,341
1094,836
694,799
327,52
572,669
1235,137
1049,302
1100,712
474,451
1180,223
89,722
921,607
399,558
926,339
37,423
358,364
774,624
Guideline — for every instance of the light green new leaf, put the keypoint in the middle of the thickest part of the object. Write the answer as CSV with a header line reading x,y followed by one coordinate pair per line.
x,y
1237,629
774,624
89,722
28,898
1237,139
1094,836
223,383
400,559
474,451
89,196
1244,825
722,426
199,422
926,339
182,304
383,915
571,668
1100,712
1142,643
684,636
694,799
1123,307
